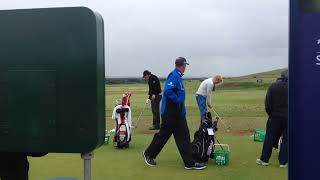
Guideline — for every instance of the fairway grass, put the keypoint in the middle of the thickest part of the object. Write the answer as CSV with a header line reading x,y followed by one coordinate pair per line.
x,y
242,109
111,163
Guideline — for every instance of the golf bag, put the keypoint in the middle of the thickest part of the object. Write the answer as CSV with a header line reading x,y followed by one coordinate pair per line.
x,y
122,116
202,145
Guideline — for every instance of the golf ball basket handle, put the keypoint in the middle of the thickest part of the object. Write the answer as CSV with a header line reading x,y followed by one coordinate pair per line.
x,y
221,146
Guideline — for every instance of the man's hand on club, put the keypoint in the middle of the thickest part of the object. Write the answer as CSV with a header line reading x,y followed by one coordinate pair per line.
x,y
148,101
209,106
153,97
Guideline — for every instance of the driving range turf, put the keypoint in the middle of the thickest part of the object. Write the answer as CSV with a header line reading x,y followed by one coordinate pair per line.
x,y
241,108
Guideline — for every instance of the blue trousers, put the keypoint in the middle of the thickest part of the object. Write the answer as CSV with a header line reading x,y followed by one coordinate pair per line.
x,y
202,104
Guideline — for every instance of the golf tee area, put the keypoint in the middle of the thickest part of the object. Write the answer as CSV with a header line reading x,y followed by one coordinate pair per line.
x,y
239,101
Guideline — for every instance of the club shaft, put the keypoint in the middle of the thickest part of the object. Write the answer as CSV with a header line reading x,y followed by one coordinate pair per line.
x,y
141,114
219,143
224,124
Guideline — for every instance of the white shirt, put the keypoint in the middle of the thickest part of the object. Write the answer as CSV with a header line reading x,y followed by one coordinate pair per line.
x,y
205,89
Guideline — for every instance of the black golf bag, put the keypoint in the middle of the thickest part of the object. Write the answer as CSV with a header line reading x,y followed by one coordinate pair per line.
x,y
202,145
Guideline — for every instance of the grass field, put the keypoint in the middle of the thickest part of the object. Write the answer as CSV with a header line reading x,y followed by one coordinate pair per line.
x,y
243,109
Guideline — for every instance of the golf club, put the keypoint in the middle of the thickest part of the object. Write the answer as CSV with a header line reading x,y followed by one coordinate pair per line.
x,y
136,126
219,143
219,118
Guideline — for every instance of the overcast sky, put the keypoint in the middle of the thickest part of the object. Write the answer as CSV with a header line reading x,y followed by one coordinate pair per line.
x,y
228,37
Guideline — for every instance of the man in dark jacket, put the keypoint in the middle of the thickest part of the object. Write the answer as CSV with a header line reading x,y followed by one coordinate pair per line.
x,y
276,105
15,165
173,113
154,97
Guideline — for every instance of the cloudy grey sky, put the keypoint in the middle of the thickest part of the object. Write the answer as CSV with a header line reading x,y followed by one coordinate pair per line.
x,y
229,37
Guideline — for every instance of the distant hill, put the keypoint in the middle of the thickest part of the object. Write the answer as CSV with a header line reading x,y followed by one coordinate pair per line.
x,y
263,75
243,81
257,80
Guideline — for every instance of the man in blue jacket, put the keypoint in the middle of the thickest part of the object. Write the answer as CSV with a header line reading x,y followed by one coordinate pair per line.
x,y
173,113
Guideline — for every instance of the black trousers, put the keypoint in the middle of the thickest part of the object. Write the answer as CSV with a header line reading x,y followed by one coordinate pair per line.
x,y
179,128
13,166
276,127
155,107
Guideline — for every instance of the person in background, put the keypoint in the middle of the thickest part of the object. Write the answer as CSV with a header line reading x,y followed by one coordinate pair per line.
x,y
15,165
173,113
276,106
204,93
154,97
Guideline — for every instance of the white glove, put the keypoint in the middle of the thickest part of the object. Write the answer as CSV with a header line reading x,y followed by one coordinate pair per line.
x,y
153,97
148,101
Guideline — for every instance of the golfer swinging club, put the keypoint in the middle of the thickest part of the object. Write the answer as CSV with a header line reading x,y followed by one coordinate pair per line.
x,y
204,93
173,113
154,97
